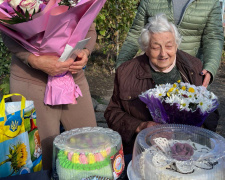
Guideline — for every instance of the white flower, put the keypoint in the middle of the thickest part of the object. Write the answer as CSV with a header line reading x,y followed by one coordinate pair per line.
x,y
172,99
29,5
203,105
74,2
159,92
184,104
188,97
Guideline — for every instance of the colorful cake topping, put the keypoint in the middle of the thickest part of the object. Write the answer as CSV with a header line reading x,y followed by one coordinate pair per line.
x,y
104,153
75,158
91,158
98,157
70,154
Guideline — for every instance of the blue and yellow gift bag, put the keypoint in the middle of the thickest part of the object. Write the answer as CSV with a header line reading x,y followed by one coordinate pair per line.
x,y
19,139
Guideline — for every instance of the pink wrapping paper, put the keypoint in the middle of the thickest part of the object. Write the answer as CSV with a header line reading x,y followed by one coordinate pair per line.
x,y
62,86
48,33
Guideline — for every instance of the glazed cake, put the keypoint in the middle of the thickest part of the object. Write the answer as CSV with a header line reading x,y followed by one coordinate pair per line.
x,y
88,152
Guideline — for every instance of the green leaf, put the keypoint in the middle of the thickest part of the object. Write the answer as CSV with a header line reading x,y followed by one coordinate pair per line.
x,y
102,32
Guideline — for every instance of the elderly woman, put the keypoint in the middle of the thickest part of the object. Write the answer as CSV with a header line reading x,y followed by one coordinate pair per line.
x,y
161,63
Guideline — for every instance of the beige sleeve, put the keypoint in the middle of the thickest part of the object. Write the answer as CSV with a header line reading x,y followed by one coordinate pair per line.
x,y
15,48
91,33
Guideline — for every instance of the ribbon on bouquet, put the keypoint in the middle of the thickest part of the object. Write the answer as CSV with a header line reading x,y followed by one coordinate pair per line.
x,y
50,32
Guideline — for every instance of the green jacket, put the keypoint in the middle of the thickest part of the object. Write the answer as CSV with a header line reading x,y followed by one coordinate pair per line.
x,y
201,29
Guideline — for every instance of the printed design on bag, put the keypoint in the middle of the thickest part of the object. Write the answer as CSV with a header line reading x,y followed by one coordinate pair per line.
x,y
17,156
13,124
38,150
34,139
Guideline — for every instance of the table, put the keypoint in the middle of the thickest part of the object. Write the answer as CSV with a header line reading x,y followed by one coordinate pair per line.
x,y
41,175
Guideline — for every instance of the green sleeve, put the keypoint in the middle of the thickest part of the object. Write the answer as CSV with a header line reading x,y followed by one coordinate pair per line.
x,y
130,46
213,40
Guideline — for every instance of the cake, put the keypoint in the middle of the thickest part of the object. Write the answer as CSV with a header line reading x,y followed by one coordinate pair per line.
x,y
178,152
87,153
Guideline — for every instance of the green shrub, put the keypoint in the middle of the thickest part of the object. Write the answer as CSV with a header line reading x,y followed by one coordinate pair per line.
x,y
113,23
5,59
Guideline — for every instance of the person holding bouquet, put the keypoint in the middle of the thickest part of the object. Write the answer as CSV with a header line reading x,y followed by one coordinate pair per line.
x,y
162,63
29,75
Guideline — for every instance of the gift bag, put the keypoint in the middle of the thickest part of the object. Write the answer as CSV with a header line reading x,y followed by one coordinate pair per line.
x,y
19,138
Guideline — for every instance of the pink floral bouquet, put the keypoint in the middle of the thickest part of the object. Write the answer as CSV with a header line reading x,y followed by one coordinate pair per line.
x,y
180,103
50,27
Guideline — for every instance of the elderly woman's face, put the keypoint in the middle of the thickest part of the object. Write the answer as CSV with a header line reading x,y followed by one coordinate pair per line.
x,y
162,50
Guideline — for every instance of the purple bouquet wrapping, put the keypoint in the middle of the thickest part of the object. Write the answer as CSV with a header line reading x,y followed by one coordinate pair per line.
x,y
180,103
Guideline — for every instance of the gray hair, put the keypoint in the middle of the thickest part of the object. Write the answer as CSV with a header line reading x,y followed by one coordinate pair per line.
x,y
157,24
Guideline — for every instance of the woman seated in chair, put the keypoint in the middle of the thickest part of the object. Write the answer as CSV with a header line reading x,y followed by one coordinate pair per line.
x,y
161,63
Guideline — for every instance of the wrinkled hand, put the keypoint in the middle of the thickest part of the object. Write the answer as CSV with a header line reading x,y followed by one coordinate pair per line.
x,y
81,61
49,64
206,78
146,124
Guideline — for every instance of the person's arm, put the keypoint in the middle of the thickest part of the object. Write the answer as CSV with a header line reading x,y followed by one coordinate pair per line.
x,y
120,120
130,46
48,64
16,48
212,40
93,35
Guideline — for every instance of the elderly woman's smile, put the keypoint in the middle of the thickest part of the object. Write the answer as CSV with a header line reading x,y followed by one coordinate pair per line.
x,y
162,50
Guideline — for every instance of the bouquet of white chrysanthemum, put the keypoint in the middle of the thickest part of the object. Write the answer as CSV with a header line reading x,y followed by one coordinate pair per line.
x,y
180,103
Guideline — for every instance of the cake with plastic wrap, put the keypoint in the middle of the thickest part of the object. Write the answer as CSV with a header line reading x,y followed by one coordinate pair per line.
x,y
87,154
177,152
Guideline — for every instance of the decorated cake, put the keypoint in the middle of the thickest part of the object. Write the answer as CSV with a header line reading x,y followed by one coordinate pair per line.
x,y
88,153
177,152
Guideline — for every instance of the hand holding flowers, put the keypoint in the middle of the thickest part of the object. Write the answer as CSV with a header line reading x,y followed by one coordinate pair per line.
x,y
80,62
180,103
49,64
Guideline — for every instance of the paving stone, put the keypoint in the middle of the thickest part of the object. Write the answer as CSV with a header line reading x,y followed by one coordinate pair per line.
x,y
100,117
101,108
104,125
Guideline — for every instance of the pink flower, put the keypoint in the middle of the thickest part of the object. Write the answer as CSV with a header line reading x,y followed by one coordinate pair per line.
x,y
182,151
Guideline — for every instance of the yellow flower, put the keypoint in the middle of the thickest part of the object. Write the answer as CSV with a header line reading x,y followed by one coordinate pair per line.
x,y
168,94
21,155
183,88
17,156
174,85
171,90
191,89
178,81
